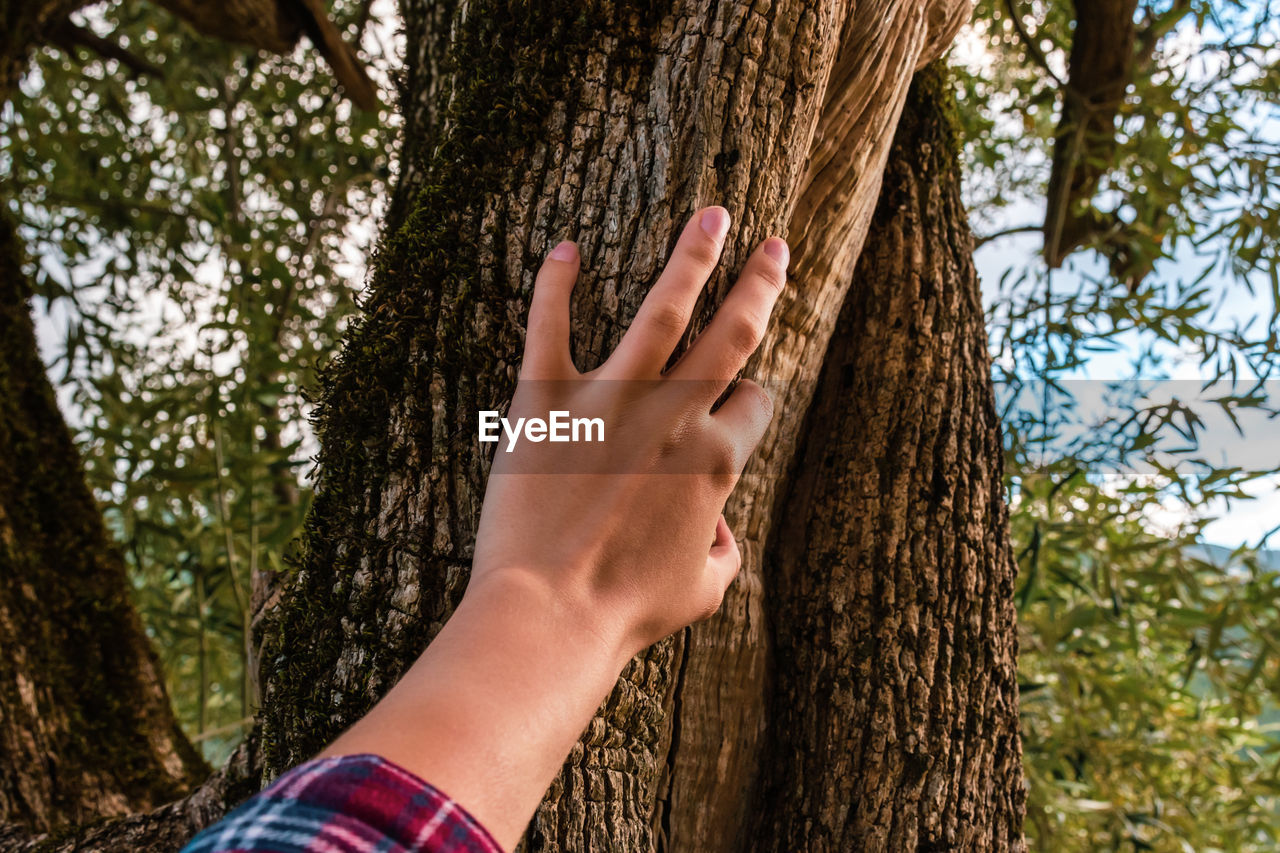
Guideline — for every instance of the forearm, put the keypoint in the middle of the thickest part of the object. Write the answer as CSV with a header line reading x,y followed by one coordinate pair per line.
x,y
492,707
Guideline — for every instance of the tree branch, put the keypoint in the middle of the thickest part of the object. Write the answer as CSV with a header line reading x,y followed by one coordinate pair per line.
x,y
1029,42
68,36
1156,28
1099,69
979,242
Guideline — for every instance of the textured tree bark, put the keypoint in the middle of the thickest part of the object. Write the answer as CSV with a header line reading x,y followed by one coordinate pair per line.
x,y
86,729
610,124
719,704
615,124
163,829
894,721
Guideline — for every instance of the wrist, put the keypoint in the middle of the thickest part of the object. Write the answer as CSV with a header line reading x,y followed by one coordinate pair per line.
x,y
570,620
491,708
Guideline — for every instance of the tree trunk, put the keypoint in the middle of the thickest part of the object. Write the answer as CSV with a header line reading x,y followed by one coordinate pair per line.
x,y
895,723
164,829
612,127
86,729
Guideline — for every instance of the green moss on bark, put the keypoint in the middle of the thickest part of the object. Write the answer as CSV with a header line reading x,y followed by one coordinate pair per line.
x,y
506,67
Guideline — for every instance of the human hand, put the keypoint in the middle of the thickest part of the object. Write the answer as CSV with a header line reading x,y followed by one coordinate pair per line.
x,y
627,536
576,571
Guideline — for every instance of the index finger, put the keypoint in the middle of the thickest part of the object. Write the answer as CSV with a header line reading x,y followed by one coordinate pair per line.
x,y
546,342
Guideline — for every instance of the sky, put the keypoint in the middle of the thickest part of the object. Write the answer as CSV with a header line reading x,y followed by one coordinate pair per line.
x,y
1256,444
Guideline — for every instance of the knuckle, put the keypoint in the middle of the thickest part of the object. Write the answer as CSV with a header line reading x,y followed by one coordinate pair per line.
x,y
759,399
668,319
737,562
710,607
745,331
710,600
703,251
723,461
773,276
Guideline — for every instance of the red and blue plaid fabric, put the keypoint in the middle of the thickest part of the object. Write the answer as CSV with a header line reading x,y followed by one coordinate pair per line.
x,y
351,804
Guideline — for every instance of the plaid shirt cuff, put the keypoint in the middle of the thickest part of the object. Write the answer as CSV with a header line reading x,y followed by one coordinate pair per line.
x,y
350,804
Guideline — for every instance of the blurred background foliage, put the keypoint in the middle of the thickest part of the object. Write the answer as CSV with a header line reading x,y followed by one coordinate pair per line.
x,y
201,235
1139,404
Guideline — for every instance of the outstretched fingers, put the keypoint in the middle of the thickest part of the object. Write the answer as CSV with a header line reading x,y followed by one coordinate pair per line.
x,y
665,312
740,322
546,342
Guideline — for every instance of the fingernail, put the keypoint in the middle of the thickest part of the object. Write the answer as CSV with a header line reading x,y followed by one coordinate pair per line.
x,y
715,221
566,251
776,248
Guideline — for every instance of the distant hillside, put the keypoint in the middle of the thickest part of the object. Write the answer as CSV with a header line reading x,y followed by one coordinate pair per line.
x,y
1220,555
